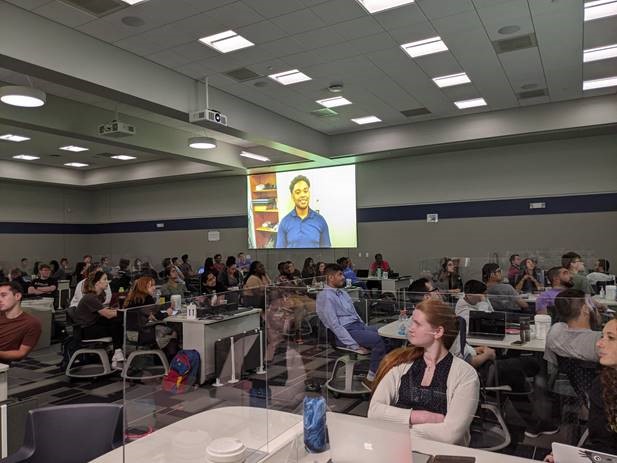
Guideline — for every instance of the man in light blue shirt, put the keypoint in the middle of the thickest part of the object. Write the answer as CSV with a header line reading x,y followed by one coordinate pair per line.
x,y
302,227
337,312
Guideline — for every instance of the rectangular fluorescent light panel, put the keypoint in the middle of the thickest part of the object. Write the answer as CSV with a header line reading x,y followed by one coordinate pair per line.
x,y
334,102
366,120
258,157
26,157
123,157
15,138
73,148
473,103
289,77
76,164
375,6
424,47
451,80
597,54
600,9
134,2
600,83
226,41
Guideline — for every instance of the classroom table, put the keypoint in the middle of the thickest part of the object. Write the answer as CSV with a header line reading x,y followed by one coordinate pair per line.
x,y
391,330
202,334
388,285
278,434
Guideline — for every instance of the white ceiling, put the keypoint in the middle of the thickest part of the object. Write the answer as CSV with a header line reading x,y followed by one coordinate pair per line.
x,y
337,41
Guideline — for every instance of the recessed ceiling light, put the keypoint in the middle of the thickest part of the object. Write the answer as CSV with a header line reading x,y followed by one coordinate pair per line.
x,y
226,41
123,157
451,80
258,157
334,102
600,53
73,148
507,30
600,83
26,97
600,9
15,138
202,143
289,77
374,6
134,2
76,164
473,103
26,157
424,47
366,120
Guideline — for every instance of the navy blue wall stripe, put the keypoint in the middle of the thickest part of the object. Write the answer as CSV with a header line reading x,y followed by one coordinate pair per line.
x,y
496,208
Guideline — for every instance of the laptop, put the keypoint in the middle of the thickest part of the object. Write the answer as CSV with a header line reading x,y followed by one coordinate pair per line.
x,y
362,273
362,440
487,325
563,453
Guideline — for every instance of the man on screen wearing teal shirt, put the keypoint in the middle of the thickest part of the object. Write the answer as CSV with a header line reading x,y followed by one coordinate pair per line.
x,y
302,227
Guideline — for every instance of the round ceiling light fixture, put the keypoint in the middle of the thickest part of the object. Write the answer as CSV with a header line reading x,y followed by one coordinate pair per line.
x,y
507,30
25,97
335,88
202,143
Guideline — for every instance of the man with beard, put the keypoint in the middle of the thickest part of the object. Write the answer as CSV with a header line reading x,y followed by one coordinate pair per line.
x,y
302,227
560,279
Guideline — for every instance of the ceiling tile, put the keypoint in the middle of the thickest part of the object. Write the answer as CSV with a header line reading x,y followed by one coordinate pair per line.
x,y
155,13
512,13
169,58
195,51
434,9
523,67
105,31
359,27
404,16
204,5
439,64
600,32
64,14
273,8
299,21
235,15
318,38
196,69
222,63
29,4
420,31
141,45
336,11
373,43
261,32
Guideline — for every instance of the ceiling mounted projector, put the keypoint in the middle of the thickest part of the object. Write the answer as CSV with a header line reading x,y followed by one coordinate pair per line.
x,y
25,97
202,143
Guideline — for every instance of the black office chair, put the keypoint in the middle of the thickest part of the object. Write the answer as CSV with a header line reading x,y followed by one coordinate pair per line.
x,y
70,434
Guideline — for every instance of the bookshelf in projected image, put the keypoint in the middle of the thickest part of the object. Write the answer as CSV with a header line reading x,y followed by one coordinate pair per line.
x,y
265,211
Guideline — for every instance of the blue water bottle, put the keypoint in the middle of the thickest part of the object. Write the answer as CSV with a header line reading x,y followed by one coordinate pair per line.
x,y
315,424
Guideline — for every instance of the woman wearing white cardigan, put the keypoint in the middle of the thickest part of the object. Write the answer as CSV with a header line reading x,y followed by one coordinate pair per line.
x,y
425,386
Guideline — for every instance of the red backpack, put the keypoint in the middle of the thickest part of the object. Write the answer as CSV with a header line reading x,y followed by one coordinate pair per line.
x,y
183,372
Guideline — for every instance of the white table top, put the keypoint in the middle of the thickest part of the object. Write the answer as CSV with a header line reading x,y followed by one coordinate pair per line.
x,y
181,318
391,330
266,430
3,367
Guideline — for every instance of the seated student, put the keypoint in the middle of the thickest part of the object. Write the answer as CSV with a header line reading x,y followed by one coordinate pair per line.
x,y
210,267
175,262
380,263
171,286
243,263
474,299
185,266
44,284
600,272
560,280
308,271
336,311
573,335
422,289
147,271
502,296
218,263
348,272
142,294
529,278
80,273
19,331
255,285
96,320
17,276
575,265
424,385
122,278
514,269
57,271
230,278
79,289
448,278
208,282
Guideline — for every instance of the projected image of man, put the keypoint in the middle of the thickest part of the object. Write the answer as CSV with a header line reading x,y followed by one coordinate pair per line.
x,y
302,227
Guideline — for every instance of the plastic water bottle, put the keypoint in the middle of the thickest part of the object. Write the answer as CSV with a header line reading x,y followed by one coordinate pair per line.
x,y
402,318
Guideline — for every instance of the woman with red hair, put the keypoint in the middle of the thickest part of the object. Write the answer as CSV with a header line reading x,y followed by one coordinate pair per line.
x,y
424,385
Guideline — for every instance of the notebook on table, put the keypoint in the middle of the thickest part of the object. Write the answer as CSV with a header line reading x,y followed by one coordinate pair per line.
x,y
563,453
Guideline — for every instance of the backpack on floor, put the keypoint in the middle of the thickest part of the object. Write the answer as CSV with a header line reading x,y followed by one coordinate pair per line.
x,y
183,372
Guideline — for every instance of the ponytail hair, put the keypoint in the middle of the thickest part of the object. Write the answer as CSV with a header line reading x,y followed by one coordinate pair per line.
x,y
438,314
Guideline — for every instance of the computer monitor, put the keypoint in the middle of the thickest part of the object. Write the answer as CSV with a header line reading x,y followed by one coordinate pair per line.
x,y
487,325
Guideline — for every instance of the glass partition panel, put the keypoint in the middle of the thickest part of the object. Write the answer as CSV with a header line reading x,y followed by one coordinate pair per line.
x,y
193,373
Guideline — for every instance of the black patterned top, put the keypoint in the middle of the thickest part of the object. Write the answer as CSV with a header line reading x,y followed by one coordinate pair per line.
x,y
432,398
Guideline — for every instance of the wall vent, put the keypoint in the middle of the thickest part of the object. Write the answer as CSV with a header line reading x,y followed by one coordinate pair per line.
x,y
97,8
242,75
516,43
415,112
